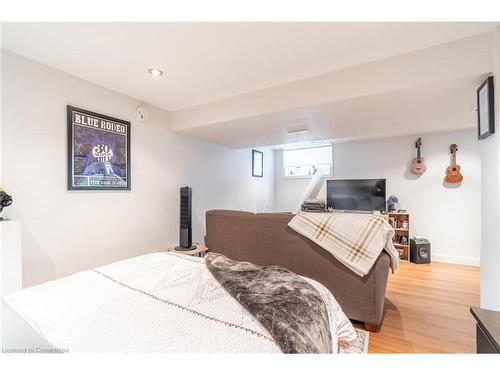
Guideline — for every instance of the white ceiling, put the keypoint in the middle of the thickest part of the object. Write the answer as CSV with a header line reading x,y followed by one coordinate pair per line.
x,y
431,108
204,62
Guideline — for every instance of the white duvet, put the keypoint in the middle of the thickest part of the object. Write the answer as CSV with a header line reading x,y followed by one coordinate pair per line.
x,y
159,302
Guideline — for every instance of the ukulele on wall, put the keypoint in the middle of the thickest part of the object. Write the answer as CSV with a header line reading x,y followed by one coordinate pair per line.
x,y
418,165
453,174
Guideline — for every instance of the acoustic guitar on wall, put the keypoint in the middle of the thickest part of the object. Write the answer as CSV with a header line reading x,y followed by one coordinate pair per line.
x,y
453,174
418,165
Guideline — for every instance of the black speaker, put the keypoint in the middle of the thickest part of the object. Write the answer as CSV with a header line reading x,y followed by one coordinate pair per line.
x,y
420,250
185,229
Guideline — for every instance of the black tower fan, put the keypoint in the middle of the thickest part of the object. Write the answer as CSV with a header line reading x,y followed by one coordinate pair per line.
x,y
185,230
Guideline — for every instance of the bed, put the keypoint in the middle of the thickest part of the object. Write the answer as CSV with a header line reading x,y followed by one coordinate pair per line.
x,y
158,302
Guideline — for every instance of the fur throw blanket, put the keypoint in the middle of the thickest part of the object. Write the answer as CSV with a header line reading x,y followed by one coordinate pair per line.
x,y
290,308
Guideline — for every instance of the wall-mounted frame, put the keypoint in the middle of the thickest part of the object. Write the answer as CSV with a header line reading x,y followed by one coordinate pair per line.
x,y
98,151
257,163
485,109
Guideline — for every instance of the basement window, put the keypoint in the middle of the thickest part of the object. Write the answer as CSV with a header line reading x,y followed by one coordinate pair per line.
x,y
302,162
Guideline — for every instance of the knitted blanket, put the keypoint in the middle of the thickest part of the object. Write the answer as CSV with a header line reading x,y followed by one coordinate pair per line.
x,y
354,239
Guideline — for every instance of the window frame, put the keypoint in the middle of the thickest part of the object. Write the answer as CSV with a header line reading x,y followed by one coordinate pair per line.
x,y
283,167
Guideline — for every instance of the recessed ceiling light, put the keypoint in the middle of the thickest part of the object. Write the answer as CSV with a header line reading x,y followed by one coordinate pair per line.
x,y
155,72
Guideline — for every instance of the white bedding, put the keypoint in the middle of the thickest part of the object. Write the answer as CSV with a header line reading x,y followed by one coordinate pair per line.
x,y
159,302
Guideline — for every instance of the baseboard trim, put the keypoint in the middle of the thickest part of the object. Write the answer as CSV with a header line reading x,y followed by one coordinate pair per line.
x,y
468,261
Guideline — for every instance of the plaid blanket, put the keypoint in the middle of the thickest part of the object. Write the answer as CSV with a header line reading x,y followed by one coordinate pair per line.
x,y
356,240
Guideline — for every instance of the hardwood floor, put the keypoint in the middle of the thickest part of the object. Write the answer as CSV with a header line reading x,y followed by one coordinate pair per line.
x,y
427,310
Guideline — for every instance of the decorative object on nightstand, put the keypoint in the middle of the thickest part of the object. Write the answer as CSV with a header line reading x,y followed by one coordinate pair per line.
x,y
391,203
199,251
5,200
400,221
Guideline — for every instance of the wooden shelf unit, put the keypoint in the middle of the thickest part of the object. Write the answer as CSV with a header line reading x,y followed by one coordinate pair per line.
x,y
396,219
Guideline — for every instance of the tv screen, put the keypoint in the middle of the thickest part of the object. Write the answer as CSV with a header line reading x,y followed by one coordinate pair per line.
x,y
360,195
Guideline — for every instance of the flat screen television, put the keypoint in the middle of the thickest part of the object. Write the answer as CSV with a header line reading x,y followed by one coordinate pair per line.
x,y
356,195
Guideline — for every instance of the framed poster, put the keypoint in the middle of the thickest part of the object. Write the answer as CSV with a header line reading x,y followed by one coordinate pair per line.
x,y
485,109
257,163
98,151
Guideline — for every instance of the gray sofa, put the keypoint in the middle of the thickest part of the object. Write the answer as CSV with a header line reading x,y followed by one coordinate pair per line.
x,y
266,239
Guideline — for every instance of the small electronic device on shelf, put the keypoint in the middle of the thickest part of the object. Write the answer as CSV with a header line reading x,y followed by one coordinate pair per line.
x,y
311,192
314,205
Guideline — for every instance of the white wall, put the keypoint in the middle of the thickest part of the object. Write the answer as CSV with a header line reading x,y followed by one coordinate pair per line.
x,y
490,163
449,217
65,232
